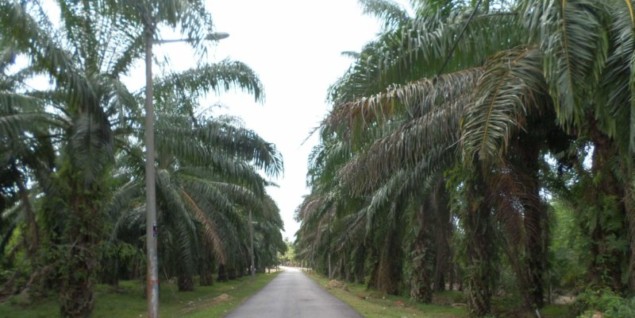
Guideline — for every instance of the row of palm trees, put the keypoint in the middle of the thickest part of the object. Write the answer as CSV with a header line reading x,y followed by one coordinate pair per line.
x,y
453,132
72,165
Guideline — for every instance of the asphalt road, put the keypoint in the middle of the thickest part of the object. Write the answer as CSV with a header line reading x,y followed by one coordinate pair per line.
x,y
293,295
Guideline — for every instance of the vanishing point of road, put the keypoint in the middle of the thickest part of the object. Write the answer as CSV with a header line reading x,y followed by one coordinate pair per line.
x,y
293,295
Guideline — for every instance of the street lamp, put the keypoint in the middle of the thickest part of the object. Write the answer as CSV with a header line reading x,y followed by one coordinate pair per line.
x,y
216,36
152,230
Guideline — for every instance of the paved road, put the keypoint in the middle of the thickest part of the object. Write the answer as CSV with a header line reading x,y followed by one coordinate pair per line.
x,y
293,295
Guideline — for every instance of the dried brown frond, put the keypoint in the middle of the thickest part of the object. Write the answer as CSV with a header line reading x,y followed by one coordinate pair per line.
x,y
210,229
415,98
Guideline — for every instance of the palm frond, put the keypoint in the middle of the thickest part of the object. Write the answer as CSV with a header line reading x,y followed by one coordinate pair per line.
x,y
19,113
420,48
430,139
574,40
390,12
505,94
175,218
416,99
616,105
217,77
210,229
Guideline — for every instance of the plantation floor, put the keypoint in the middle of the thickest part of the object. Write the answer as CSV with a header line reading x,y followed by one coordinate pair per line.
x,y
128,300
449,304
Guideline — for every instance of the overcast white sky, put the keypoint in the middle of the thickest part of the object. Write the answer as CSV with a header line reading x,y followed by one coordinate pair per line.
x,y
294,46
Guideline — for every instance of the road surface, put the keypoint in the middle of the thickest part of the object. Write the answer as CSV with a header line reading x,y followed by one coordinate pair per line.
x,y
293,295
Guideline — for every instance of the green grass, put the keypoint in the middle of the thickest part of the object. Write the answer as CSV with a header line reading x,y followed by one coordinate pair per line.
x,y
372,304
448,304
128,300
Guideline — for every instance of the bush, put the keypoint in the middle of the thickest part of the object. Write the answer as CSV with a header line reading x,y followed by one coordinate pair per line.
x,y
609,303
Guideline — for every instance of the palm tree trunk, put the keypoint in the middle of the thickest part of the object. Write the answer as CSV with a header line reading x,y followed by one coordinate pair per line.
x,y
387,276
32,232
479,234
423,255
374,271
206,267
443,232
536,249
389,270
604,198
359,262
330,276
185,282
222,273
231,272
535,223
629,205
80,264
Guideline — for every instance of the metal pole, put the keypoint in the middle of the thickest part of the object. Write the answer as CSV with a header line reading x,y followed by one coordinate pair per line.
x,y
252,268
152,276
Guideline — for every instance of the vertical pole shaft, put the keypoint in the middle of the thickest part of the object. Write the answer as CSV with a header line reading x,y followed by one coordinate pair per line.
x,y
152,276
252,268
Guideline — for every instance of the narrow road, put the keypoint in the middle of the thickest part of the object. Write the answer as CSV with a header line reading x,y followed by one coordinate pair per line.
x,y
293,295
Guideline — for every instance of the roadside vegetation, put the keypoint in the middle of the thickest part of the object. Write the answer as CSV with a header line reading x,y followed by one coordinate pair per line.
x,y
484,147
448,304
127,300
72,164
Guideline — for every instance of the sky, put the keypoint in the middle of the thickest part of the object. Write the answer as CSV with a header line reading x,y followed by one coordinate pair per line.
x,y
295,48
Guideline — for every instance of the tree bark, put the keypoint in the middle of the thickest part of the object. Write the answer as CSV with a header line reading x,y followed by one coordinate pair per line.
x,y
423,255
360,260
443,232
535,222
479,234
206,269
629,205
185,282
389,272
79,268
222,273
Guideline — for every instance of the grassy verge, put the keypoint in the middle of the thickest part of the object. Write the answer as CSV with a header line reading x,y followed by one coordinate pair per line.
x,y
372,304
128,300
449,304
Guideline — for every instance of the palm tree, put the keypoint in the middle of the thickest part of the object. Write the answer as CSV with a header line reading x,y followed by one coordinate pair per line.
x,y
492,90
84,64
22,122
205,186
96,47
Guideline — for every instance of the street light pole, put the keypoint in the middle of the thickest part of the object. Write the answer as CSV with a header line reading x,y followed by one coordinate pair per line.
x,y
152,230
252,268
152,276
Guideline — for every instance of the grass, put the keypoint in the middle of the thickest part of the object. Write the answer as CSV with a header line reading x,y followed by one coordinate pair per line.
x,y
448,304
372,304
128,300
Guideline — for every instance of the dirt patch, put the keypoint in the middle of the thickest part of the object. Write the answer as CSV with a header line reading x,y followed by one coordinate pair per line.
x,y
564,300
333,283
221,298
204,303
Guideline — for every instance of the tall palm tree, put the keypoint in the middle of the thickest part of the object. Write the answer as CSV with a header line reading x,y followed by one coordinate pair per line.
x,y
85,55
495,89
84,63
205,187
